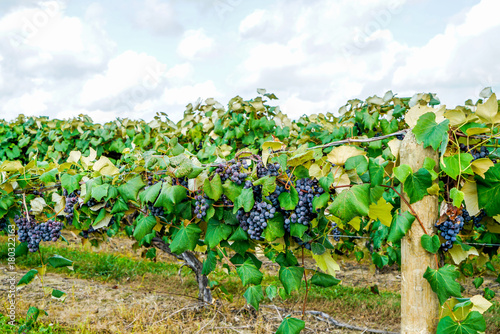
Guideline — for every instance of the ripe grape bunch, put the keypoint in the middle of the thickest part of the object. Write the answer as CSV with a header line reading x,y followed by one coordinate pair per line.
x,y
476,220
156,212
33,232
335,231
476,153
303,214
272,169
232,170
183,181
71,200
450,228
201,206
255,221
302,243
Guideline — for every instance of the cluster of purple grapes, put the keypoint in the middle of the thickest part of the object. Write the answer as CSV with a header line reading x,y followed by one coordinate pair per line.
x,y
3,223
91,202
150,181
302,243
400,137
272,169
232,171
156,212
255,221
476,153
476,220
226,201
449,231
336,231
86,233
33,233
308,189
200,206
71,200
183,181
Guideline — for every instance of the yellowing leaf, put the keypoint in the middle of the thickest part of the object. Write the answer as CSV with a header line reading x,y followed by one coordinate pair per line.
x,y
492,226
481,304
340,178
355,222
74,156
488,111
381,211
200,249
458,254
433,190
60,203
105,166
11,166
37,205
455,116
470,197
315,171
476,131
480,166
326,263
86,161
340,154
395,145
273,145
418,110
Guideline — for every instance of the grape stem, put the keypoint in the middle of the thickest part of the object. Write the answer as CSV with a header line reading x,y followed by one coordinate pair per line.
x,y
307,286
26,207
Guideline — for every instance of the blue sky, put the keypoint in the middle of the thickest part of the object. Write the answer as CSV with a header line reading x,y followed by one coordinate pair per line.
x,y
132,58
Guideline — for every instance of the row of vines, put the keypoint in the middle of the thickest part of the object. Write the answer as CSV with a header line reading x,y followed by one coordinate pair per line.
x,y
225,182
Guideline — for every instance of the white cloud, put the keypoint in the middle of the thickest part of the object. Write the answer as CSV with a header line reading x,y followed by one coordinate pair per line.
x,y
129,70
158,17
194,44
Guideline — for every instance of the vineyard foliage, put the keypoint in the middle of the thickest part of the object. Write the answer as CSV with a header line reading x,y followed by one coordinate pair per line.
x,y
230,182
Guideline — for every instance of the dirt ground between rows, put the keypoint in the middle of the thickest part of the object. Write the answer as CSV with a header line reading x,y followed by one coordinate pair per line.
x,y
154,306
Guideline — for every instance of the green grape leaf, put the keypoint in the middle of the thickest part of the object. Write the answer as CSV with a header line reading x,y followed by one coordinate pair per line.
x,y
443,282
150,194
71,182
478,281
351,203
291,277
231,190
320,201
213,188
129,190
297,230
324,280
100,191
430,244
119,206
144,226
416,185
268,184
401,172
488,191
457,164
457,196
274,228
473,324
239,235
185,238
58,261
401,224
254,295
326,181
245,200
291,325
216,232
210,263
27,278
249,274
49,176
289,200
271,292
429,132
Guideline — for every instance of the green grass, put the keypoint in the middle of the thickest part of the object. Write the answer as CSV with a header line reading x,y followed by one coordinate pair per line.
x,y
6,328
90,265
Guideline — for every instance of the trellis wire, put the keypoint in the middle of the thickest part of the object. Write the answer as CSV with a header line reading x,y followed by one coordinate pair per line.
x,y
361,237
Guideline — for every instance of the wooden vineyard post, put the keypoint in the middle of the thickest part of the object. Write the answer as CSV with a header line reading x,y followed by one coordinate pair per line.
x,y
419,304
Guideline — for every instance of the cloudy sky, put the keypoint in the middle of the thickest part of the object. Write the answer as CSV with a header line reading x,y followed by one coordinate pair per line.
x,y
132,58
